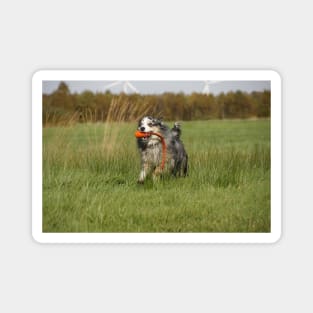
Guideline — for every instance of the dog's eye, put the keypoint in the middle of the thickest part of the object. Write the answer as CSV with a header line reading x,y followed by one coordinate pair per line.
x,y
150,124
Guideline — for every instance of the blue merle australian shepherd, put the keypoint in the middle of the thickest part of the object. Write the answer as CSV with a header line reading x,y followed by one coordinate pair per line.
x,y
154,160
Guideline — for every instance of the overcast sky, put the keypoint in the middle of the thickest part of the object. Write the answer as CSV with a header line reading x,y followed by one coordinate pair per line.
x,y
158,87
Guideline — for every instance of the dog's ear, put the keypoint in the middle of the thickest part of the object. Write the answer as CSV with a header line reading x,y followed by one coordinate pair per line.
x,y
158,121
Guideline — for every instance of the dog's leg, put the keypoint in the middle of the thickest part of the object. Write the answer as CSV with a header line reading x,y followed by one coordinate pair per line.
x,y
156,174
174,167
143,173
185,165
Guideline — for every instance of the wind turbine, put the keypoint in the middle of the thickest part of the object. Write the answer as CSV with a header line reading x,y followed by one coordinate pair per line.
x,y
207,84
126,85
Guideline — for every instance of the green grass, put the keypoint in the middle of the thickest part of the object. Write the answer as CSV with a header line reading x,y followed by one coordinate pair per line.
x,y
90,176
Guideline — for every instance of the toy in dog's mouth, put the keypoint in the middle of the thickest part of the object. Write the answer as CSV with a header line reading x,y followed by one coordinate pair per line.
x,y
139,134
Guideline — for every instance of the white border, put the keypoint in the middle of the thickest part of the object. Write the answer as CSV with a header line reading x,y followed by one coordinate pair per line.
x,y
187,75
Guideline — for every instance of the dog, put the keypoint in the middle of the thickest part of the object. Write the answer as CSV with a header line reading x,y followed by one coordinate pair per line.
x,y
151,149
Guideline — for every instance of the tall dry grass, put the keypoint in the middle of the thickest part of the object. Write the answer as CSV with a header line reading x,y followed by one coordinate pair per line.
x,y
120,112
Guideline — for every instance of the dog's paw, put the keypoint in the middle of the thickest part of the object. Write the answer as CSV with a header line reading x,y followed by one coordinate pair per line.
x,y
140,181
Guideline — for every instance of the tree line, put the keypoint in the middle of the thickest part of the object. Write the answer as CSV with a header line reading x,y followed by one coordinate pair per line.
x,y
63,107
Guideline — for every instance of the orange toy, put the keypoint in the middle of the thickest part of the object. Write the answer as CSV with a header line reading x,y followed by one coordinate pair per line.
x,y
139,134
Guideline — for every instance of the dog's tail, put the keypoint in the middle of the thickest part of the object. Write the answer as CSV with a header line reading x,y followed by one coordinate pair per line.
x,y
176,130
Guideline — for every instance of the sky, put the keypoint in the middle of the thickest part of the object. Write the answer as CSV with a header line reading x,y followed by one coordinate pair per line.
x,y
159,87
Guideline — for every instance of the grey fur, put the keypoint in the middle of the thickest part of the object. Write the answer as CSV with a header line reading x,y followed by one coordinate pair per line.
x,y
150,149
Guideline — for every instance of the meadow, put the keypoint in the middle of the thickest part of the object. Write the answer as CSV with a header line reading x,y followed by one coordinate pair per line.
x,y
90,174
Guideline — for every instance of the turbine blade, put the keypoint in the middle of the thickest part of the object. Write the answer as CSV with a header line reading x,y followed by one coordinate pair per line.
x,y
112,84
132,87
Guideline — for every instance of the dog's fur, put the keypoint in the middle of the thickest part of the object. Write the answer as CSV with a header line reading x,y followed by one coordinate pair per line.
x,y
150,149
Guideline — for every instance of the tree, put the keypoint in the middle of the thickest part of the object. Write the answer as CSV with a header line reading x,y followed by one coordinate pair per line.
x,y
61,98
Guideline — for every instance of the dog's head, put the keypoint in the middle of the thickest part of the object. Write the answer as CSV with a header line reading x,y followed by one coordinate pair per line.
x,y
150,124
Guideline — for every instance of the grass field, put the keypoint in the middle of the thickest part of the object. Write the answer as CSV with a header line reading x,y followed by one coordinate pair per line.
x,y
90,176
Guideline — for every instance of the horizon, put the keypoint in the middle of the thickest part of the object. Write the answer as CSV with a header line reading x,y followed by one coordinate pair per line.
x,y
159,87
